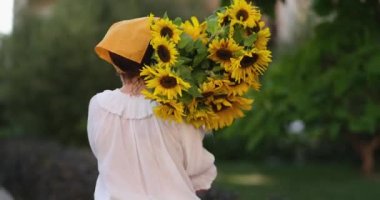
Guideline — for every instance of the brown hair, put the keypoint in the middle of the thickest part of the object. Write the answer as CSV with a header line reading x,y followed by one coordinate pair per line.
x,y
129,67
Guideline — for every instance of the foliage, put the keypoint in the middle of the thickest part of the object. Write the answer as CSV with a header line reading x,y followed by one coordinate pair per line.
x,y
331,82
49,71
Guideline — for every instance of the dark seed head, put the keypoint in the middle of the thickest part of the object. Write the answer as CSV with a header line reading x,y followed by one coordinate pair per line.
x,y
164,53
207,94
255,29
224,54
168,82
226,21
166,31
233,81
242,15
248,61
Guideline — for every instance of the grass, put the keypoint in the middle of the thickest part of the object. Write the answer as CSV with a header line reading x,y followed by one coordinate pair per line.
x,y
290,182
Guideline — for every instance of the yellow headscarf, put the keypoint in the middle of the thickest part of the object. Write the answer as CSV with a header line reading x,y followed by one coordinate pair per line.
x,y
128,38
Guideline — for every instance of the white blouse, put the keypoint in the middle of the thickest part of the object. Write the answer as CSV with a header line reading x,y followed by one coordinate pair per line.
x,y
141,157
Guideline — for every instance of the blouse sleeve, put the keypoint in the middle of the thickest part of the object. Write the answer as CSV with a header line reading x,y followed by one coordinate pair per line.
x,y
95,117
198,162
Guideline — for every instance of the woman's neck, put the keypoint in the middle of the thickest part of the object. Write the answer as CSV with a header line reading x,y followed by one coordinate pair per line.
x,y
132,87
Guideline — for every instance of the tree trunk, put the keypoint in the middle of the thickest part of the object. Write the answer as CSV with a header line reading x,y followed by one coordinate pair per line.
x,y
367,157
366,150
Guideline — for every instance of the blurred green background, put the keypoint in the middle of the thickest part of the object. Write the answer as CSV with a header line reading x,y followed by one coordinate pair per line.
x,y
314,129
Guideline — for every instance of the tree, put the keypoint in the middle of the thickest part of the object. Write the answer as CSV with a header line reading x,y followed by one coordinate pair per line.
x,y
49,71
332,82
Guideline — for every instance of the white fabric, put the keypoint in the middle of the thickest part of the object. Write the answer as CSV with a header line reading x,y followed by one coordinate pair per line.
x,y
141,157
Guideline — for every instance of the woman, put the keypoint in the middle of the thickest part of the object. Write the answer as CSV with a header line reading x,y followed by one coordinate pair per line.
x,y
141,157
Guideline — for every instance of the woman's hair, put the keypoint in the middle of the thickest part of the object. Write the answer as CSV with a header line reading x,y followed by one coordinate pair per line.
x,y
129,67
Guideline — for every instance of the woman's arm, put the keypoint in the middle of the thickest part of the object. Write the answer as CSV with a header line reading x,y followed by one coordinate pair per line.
x,y
198,162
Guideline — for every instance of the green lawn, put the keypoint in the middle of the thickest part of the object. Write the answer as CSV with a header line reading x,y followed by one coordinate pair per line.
x,y
286,182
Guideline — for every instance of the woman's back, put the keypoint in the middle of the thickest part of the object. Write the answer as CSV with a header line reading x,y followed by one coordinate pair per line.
x,y
141,157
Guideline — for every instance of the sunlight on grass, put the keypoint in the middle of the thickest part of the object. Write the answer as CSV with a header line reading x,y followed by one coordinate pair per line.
x,y
313,181
249,179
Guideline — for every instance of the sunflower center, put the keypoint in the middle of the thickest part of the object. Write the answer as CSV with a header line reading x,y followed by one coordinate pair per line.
x,y
248,61
224,54
168,82
166,31
225,21
242,15
164,53
215,108
255,29
220,96
233,81
207,94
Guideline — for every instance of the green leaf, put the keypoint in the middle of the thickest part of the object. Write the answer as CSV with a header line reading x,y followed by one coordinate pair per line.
x,y
212,25
225,32
198,59
193,91
186,98
239,35
248,42
183,61
189,47
201,48
205,64
201,53
177,21
199,76
184,71
185,41
216,68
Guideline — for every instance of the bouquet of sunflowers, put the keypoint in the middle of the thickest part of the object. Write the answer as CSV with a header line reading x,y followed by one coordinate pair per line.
x,y
202,71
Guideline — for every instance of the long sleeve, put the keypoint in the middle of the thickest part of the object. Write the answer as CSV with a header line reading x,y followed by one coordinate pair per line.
x,y
91,122
96,118
198,162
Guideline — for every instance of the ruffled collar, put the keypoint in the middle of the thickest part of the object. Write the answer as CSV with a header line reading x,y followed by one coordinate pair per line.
x,y
125,105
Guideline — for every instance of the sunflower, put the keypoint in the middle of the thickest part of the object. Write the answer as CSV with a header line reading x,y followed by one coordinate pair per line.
x,y
212,87
241,102
255,83
166,83
193,105
236,87
173,111
227,114
165,51
148,72
262,34
163,27
224,18
250,65
195,30
263,37
244,13
158,98
201,117
222,51
219,102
